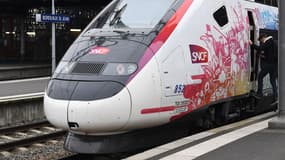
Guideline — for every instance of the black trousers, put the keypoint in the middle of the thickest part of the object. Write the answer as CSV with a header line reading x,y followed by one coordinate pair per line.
x,y
272,70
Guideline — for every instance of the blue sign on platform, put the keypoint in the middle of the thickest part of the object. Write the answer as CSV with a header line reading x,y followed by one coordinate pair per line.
x,y
52,18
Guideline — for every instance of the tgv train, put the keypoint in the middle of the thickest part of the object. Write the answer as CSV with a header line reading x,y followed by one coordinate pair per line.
x,y
141,65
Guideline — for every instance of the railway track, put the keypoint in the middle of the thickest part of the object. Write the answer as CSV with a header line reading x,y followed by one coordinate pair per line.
x,y
27,135
227,127
15,139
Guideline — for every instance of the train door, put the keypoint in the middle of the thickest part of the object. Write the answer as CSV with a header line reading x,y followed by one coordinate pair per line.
x,y
173,78
173,73
253,56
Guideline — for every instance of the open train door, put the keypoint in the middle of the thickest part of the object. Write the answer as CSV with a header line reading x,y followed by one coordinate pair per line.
x,y
253,56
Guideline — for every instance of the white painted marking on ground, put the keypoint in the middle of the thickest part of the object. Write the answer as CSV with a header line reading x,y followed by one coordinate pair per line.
x,y
215,143
24,80
164,148
187,140
180,157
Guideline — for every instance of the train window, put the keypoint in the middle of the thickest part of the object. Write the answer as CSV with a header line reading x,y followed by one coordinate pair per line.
x,y
274,3
134,14
268,2
221,16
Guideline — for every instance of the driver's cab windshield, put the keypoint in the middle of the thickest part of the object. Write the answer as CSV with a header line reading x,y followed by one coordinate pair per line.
x,y
134,14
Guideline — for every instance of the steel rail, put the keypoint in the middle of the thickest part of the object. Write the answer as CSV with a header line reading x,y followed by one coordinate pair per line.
x,y
7,130
31,140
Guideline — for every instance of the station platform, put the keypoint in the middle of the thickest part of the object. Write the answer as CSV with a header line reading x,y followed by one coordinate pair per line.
x,y
22,87
250,139
23,70
21,101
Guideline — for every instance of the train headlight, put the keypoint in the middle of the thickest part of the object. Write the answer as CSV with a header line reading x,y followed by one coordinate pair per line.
x,y
122,69
64,67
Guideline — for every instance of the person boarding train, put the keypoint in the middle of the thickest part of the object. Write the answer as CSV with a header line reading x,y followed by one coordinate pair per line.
x,y
268,62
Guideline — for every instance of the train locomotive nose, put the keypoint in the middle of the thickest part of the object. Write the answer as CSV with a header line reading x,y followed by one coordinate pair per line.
x,y
92,107
101,115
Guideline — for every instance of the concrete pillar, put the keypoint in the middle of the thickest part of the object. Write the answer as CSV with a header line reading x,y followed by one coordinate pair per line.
x,y
279,122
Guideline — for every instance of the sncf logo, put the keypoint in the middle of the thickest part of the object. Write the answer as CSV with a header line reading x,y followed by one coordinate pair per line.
x,y
198,54
99,50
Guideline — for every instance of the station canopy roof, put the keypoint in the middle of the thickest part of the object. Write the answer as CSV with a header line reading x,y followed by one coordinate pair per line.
x,y
18,6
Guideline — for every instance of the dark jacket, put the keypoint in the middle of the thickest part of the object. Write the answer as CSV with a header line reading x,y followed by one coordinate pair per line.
x,y
266,51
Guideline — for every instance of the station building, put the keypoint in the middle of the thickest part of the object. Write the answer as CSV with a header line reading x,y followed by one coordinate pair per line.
x,y
23,40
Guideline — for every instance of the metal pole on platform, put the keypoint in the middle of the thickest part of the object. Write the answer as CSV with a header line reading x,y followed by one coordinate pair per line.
x,y
279,122
53,57
22,39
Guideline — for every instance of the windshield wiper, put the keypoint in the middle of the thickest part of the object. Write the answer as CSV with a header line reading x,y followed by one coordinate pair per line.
x,y
118,15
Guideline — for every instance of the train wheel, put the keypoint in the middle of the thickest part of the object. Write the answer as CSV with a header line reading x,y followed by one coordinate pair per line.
x,y
208,120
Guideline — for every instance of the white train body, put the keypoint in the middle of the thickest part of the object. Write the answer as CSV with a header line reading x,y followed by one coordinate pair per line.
x,y
190,63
